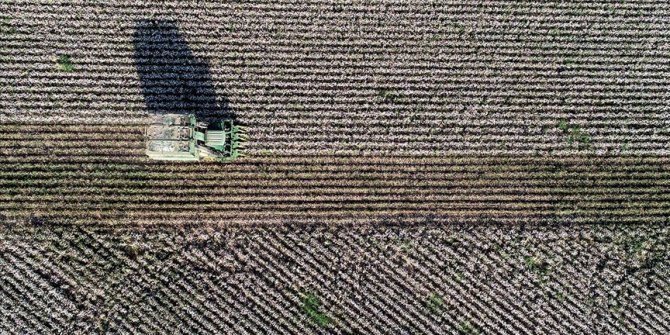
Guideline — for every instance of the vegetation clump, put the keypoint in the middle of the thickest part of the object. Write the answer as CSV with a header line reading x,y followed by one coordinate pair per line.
x,y
6,25
388,95
311,304
434,302
466,328
574,133
540,267
64,63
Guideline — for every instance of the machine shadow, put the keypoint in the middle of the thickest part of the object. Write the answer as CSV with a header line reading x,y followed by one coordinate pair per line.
x,y
172,79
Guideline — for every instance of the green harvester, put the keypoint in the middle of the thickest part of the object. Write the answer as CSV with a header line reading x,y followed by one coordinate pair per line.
x,y
176,137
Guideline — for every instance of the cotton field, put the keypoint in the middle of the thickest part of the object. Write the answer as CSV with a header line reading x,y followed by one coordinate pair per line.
x,y
412,167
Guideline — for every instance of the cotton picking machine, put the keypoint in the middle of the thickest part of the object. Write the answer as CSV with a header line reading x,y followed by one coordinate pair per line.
x,y
176,137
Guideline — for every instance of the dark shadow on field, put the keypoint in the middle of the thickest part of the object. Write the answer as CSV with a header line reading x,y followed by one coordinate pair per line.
x,y
172,79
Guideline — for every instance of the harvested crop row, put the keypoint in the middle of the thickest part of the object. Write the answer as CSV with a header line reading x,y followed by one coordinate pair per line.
x,y
472,162
335,217
646,198
253,219
416,191
134,169
614,186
